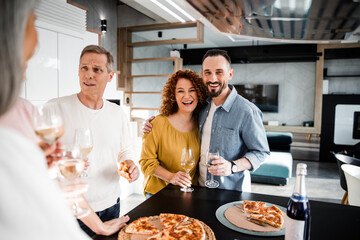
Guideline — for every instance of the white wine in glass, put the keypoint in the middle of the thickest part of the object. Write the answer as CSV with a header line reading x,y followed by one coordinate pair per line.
x,y
187,163
83,139
48,122
85,151
210,157
70,169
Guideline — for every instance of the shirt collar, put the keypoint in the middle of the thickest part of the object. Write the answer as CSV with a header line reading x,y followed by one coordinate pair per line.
x,y
229,100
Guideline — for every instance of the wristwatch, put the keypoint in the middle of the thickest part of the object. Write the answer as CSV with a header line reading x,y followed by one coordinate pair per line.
x,y
234,168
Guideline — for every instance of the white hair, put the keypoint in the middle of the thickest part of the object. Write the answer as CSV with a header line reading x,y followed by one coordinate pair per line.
x,y
13,18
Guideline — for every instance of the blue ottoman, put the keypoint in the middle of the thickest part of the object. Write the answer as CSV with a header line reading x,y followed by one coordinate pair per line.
x,y
276,169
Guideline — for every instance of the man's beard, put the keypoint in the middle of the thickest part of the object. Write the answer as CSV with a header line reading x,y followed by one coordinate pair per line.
x,y
213,93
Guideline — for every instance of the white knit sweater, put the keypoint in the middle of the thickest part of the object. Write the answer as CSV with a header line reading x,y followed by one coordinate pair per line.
x,y
112,144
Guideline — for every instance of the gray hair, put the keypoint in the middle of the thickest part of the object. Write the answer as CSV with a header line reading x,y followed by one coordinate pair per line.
x,y
13,18
100,50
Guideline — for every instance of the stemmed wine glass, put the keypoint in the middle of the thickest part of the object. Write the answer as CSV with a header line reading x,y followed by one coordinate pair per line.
x,y
210,157
83,138
70,182
187,163
48,122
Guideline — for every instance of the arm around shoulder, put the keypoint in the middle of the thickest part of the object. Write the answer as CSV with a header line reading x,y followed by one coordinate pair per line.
x,y
149,151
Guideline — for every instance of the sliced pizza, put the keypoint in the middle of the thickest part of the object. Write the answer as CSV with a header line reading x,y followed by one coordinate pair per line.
x,y
163,235
124,170
175,227
253,206
192,230
271,218
170,220
272,209
142,226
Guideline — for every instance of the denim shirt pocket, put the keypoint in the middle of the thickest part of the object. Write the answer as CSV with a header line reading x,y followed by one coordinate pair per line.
x,y
228,139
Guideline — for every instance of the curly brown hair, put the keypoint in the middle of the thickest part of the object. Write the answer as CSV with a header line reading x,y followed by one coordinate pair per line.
x,y
169,105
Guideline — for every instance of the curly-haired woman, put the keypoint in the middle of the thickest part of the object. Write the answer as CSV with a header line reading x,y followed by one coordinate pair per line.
x,y
173,129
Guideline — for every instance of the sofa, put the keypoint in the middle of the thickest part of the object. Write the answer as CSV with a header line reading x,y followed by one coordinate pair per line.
x,y
277,168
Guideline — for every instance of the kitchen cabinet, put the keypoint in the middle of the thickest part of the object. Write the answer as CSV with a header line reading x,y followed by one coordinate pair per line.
x,y
53,70
69,50
42,71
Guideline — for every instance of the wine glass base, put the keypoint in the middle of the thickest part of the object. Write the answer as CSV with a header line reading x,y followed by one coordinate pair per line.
x,y
81,212
189,189
212,184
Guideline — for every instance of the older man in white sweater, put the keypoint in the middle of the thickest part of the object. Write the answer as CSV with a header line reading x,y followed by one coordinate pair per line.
x,y
112,144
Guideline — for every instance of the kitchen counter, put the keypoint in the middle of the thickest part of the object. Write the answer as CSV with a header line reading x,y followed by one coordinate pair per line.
x,y
328,220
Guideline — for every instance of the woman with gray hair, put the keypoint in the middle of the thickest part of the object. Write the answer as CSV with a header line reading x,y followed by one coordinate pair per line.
x,y
31,205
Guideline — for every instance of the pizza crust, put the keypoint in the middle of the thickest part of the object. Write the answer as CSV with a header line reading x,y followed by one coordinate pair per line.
x,y
124,171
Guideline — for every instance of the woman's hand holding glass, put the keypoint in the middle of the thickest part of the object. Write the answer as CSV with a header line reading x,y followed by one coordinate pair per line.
x,y
49,126
53,152
187,163
181,179
48,122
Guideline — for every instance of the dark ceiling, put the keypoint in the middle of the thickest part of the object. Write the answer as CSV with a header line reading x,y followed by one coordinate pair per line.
x,y
314,20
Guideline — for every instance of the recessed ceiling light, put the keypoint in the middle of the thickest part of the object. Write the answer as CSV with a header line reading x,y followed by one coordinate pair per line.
x,y
180,10
168,11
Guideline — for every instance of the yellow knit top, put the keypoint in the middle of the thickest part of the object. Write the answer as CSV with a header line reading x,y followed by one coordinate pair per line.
x,y
163,146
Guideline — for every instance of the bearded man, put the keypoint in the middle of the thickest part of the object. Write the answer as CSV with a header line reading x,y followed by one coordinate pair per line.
x,y
229,124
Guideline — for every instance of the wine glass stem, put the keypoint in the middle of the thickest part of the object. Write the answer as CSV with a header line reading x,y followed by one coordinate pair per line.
x,y
75,207
190,185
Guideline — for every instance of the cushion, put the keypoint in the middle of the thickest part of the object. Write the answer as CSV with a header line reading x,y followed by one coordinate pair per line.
x,y
279,140
278,165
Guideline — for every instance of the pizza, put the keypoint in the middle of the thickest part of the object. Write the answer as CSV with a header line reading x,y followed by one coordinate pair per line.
x,y
170,220
253,206
142,226
124,170
188,231
273,209
259,212
174,226
273,219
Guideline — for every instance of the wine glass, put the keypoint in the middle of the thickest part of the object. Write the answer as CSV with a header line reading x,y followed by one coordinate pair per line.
x,y
72,185
83,138
187,163
210,157
48,122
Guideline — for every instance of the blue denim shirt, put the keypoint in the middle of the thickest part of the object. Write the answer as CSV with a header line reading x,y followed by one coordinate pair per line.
x,y
237,131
